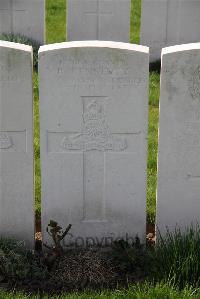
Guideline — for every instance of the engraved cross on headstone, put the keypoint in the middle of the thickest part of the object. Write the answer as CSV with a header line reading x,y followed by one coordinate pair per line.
x,y
99,14
9,12
94,141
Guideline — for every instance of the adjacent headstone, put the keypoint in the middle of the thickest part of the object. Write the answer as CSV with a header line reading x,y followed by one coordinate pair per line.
x,y
16,143
24,17
169,22
178,194
99,20
94,110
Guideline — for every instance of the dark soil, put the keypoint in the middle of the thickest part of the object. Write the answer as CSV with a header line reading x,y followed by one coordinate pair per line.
x,y
77,270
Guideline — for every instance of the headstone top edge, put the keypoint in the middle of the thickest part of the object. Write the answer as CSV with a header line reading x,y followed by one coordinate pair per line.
x,y
96,44
16,46
180,48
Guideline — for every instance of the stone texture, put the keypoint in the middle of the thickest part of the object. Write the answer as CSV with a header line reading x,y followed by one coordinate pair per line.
x,y
16,142
25,17
169,22
94,110
178,194
99,20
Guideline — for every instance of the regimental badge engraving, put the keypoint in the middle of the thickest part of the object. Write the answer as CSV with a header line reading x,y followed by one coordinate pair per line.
x,y
6,141
96,134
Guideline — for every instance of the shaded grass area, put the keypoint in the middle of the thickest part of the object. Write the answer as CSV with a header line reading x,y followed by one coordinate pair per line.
x,y
154,93
37,148
55,23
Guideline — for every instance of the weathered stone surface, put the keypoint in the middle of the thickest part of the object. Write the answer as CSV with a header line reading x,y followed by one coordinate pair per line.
x,y
16,142
94,110
178,195
99,20
24,17
169,22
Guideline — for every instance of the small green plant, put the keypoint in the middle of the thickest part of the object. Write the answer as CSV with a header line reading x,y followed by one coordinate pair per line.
x,y
132,257
26,41
177,257
17,264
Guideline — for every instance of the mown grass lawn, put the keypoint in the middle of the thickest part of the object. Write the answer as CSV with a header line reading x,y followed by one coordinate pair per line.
x,y
146,291
56,32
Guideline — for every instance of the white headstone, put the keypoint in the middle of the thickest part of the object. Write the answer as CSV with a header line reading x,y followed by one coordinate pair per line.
x,y
169,22
94,110
178,195
16,142
24,17
99,20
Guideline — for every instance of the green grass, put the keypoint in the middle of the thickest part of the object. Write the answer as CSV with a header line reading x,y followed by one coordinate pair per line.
x,y
144,291
178,257
55,21
154,92
135,21
55,31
